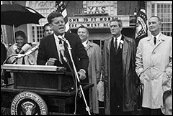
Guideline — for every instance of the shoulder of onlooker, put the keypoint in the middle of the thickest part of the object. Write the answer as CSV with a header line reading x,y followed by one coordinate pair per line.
x,y
131,40
94,44
47,37
108,39
144,39
167,37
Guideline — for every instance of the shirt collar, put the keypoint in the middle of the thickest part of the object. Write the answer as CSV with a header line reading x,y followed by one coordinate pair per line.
x,y
157,36
56,37
85,43
118,38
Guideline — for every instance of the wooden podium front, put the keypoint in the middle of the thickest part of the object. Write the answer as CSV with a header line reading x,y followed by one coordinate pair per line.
x,y
40,77
50,82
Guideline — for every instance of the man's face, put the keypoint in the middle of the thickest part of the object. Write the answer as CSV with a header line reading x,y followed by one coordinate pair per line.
x,y
58,25
48,30
114,28
154,24
167,108
83,34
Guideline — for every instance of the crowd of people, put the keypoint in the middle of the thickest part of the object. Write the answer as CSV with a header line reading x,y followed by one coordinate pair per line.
x,y
123,66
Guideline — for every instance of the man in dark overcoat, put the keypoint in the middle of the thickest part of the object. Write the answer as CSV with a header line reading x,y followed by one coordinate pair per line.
x,y
119,71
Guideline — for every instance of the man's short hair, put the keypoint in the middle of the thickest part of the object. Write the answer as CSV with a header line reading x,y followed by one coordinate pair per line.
x,y
117,20
53,15
166,94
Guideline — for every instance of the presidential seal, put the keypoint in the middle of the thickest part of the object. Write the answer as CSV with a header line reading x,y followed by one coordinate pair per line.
x,y
28,103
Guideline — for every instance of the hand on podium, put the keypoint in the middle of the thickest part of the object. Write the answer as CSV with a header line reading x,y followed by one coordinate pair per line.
x,y
51,61
82,74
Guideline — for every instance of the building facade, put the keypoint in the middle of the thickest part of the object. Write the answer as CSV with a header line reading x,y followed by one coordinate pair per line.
x,y
96,16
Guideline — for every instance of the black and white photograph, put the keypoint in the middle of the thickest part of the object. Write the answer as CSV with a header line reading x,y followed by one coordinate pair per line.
x,y
86,57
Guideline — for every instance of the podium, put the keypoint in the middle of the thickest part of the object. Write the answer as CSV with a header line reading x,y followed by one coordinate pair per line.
x,y
40,77
52,83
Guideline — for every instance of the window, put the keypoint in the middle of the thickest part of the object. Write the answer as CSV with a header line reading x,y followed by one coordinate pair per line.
x,y
35,31
164,11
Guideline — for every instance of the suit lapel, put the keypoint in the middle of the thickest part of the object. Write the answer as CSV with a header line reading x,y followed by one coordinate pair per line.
x,y
124,51
53,43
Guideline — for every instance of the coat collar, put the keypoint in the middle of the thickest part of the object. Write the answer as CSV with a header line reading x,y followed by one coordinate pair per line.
x,y
161,38
89,44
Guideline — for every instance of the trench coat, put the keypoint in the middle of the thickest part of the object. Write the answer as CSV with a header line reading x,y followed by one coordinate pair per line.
x,y
151,63
129,75
94,72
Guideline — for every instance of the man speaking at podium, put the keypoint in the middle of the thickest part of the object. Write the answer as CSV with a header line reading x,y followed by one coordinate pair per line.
x,y
54,50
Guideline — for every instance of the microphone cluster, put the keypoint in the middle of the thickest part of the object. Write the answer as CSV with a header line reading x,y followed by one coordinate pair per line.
x,y
28,52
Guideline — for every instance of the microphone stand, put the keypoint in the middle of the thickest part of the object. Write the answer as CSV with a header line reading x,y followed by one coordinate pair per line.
x,y
10,57
75,71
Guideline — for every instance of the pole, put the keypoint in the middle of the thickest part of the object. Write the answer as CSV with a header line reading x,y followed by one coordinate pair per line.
x,y
75,71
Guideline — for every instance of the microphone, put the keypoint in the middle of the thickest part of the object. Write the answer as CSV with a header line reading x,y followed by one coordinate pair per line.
x,y
25,48
19,55
32,50
28,52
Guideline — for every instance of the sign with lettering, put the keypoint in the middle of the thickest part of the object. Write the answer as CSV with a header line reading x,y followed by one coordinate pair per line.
x,y
96,10
99,7
96,21
28,103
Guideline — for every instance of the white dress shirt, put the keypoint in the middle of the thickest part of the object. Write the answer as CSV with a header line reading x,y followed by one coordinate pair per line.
x,y
85,43
60,47
118,40
157,38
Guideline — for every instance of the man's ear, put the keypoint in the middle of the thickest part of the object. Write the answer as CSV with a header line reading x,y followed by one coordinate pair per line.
x,y
163,109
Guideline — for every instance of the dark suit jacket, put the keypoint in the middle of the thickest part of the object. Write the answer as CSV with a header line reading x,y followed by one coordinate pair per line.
x,y
47,49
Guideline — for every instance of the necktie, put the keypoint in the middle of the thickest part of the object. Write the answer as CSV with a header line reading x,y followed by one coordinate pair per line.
x,y
154,40
115,45
58,45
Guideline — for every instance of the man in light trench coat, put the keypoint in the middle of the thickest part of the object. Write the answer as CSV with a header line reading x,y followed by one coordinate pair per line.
x,y
154,67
